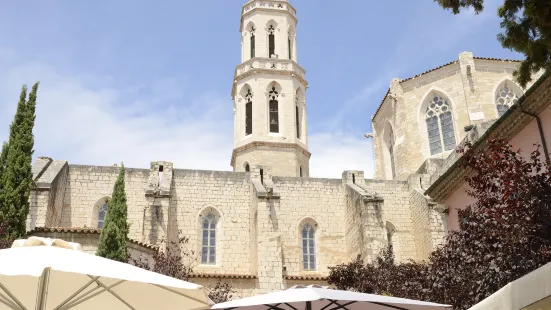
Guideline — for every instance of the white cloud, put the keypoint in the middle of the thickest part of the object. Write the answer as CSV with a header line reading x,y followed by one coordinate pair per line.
x,y
81,120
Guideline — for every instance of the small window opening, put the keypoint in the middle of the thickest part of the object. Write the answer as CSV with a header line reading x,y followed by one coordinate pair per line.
x,y
161,168
248,113
247,168
290,48
297,121
354,178
300,171
271,39
274,110
253,39
262,176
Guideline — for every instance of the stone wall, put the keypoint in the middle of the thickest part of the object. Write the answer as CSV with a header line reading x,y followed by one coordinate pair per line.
x,y
259,221
469,84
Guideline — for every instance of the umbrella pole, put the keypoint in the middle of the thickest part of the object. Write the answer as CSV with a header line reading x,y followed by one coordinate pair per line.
x,y
43,290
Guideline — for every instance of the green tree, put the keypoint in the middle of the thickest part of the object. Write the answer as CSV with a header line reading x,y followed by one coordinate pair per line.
x,y
527,30
16,178
112,240
3,158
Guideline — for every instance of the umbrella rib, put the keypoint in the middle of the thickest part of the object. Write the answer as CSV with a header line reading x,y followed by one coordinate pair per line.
x,y
89,295
387,305
339,306
108,289
12,297
331,302
6,301
63,303
290,306
43,289
178,293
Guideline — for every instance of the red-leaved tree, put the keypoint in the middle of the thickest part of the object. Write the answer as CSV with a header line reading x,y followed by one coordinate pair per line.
x,y
504,235
170,260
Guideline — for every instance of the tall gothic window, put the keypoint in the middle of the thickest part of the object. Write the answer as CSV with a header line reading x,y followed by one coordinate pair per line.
x,y
208,249
271,41
253,39
274,112
391,153
248,113
101,215
289,45
297,118
505,98
440,126
308,248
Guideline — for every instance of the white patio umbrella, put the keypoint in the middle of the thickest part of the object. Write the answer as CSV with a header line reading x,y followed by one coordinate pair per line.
x,y
42,273
319,298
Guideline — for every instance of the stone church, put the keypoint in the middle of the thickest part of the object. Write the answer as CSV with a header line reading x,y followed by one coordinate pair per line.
x,y
267,225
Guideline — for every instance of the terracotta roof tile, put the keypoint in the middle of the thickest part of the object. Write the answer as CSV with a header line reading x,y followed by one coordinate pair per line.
x,y
223,276
497,59
307,278
85,230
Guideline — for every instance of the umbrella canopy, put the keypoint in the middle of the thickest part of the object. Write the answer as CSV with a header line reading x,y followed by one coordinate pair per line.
x,y
320,298
42,273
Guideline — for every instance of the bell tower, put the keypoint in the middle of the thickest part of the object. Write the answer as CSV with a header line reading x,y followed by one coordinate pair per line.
x,y
269,93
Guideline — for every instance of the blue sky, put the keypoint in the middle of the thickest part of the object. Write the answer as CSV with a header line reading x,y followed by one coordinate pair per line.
x,y
137,80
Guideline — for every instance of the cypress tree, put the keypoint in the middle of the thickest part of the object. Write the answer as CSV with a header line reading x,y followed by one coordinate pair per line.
x,y
112,240
17,174
3,158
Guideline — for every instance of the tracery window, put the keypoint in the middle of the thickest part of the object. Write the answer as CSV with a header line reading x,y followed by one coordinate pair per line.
x,y
271,41
308,247
248,113
102,212
253,41
505,98
440,125
274,110
208,249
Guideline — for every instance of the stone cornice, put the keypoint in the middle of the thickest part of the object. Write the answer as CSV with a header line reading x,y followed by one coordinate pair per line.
x,y
535,100
267,5
260,65
278,145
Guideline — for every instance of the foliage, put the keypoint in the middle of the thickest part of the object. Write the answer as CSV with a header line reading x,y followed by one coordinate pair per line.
x,y
16,159
112,242
504,235
3,159
527,30
170,259
5,243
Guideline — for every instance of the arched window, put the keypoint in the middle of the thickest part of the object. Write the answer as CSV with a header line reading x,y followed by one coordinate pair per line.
x,y
297,121
271,41
289,44
247,167
440,125
390,230
208,248
253,41
505,98
248,113
308,247
274,110
300,171
102,212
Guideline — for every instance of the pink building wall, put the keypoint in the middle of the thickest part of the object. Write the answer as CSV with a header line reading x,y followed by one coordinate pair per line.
x,y
524,140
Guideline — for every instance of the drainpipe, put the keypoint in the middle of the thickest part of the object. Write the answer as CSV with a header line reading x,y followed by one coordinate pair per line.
x,y
540,128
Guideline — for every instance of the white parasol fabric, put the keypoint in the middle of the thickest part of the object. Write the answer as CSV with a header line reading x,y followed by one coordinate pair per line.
x,y
43,273
320,298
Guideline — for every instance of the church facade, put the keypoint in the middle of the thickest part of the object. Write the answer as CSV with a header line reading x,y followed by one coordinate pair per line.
x,y
267,225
